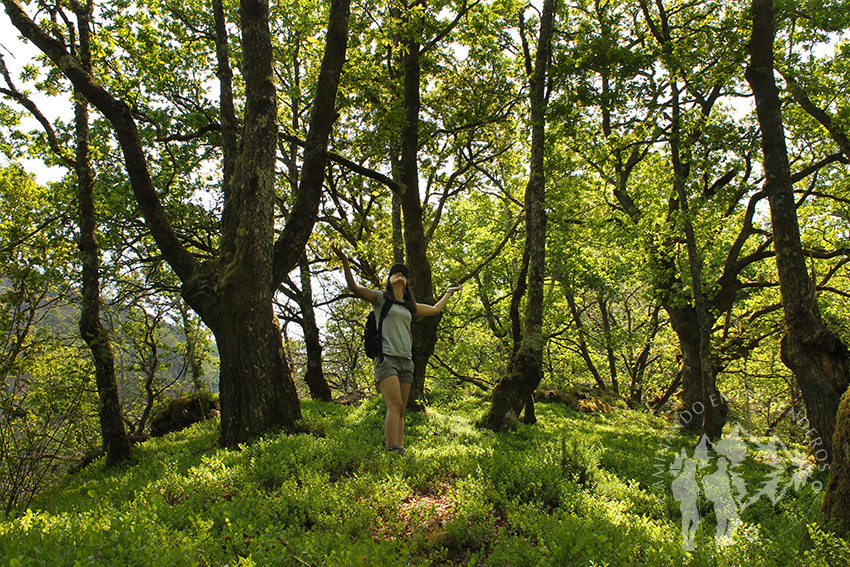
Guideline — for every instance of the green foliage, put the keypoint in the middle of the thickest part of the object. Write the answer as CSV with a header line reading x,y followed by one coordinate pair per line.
x,y
43,399
573,490
827,550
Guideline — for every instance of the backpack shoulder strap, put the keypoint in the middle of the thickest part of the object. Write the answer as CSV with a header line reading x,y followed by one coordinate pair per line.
x,y
384,310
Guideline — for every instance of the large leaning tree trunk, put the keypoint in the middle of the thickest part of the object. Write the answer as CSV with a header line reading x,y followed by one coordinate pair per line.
x,y
113,433
233,292
525,370
811,350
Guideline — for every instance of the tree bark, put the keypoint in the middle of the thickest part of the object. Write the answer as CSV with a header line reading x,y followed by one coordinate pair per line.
x,y
684,323
525,370
714,407
582,342
424,329
609,349
638,368
810,349
192,332
116,442
229,122
398,230
313,376
835,512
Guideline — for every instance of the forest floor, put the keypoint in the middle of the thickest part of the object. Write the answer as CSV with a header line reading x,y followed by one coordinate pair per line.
x,y
584,489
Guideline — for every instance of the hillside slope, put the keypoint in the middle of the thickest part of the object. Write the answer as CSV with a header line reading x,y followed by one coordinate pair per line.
x,y
576,489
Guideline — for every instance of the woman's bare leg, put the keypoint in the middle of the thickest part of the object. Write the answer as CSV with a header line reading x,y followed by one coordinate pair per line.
x,y
391,389
405,393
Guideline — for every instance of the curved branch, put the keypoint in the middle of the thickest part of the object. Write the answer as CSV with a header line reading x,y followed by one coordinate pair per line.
x,y
120,116
445,31
802,98
391,184
13,93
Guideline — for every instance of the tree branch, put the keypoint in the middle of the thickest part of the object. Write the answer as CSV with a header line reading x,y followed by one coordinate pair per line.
x,y
121,118
348,164
13,93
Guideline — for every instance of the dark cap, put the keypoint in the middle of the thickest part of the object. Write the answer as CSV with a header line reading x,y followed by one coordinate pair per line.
x,y
400,268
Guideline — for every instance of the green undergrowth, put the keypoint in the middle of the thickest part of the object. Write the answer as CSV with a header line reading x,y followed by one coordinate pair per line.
x,y
575,489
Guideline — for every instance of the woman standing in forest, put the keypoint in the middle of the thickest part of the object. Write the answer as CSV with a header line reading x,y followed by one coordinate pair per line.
x,y
394,368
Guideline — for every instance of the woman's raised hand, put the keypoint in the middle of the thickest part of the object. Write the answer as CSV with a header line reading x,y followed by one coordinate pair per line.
x,y
338,251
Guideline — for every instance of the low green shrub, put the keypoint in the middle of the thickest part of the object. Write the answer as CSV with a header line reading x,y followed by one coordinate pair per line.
x,y
572,490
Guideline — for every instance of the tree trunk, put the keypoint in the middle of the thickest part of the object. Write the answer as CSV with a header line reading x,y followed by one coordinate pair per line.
x,y
516,303
116,443
398,230
682,313
810,349
424,330
255,380
684,323
313,376
256,387
229,122
514,390
582,342
233,293
713,406
835,512
256,390
638,369
192,332
609,349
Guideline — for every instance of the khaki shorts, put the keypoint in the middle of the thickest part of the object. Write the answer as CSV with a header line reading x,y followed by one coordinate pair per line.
x,y
394,366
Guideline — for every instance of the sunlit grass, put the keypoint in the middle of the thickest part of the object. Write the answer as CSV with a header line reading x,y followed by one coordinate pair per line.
x,y
575,489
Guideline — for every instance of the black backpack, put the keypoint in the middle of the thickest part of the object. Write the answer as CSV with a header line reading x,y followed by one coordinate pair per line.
x,y
373,338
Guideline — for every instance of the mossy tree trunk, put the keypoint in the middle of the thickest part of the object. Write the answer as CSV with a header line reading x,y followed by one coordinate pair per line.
x,y
835,512
116,442
525,370
811,350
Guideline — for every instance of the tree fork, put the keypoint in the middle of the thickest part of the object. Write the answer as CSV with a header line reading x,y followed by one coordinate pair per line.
x,y
233,292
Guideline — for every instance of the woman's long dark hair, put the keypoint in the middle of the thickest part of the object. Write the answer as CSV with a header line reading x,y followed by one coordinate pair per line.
x,y
407,299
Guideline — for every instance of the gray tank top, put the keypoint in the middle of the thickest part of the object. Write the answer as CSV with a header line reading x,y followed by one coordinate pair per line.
x,y
396,329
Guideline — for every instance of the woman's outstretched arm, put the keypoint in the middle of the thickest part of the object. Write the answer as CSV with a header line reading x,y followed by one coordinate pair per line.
x,y
425,310
357,289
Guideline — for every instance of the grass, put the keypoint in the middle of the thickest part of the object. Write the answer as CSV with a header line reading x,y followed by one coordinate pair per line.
x,y
576,489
